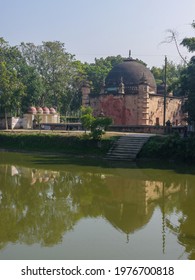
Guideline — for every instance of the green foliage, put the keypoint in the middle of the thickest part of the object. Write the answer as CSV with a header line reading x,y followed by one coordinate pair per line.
x,y
97,125
188,87
97,72
51,75
173,76
26,77
54,65
38,120
34,87
11,90
87,118
54,143
189,43
171,147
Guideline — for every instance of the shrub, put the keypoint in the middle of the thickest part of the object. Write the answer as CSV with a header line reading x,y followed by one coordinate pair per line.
x,y
97,125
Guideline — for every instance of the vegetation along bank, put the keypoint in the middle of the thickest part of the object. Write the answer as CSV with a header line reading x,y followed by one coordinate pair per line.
x,y
172,147
55,143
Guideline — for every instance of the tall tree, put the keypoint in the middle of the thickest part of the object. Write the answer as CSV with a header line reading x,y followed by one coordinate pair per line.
x,y
173,76
97,72
26,74
54,65
188,87
11,87
34,87
189,43
73,99
11,90
187,78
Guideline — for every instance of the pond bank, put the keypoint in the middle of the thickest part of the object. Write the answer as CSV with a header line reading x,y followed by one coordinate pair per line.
x,y
77,145
171,147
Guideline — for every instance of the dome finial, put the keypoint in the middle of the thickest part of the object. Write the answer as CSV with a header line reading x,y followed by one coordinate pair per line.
x,y
129,58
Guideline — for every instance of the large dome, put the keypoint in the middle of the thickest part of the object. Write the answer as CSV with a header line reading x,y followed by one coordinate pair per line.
x,y
132,73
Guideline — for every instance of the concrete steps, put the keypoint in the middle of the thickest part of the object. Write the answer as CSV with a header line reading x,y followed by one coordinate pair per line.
x,y
127,147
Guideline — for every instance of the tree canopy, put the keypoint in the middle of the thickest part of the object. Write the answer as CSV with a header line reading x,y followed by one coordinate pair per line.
x,y
96,72
55,67
188,87
189,43
173,76
12,90
188,78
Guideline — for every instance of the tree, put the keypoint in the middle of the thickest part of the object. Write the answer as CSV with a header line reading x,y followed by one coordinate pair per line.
x,y
34,87
173,76
189,43
25,73
188,87
87,118
173,38
73,98
11,90
187,79
54,65
97,125
11,86
97,72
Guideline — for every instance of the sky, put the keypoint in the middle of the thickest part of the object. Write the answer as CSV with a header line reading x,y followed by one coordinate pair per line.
x,y
99,28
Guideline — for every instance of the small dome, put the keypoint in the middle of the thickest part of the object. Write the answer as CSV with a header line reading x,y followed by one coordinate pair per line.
x,y
132,73
39,110
32,110
52,111
46,110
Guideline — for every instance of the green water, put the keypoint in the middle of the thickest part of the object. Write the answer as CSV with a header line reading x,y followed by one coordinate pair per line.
x,y
53,207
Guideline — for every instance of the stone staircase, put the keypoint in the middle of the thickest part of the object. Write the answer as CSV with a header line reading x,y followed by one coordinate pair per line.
x,y
127,147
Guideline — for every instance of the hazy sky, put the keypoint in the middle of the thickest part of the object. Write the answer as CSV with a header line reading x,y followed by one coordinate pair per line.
x,y
100,28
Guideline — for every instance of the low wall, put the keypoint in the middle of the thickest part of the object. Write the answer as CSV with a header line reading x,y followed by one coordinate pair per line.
x,y
147,129
13,123
27,121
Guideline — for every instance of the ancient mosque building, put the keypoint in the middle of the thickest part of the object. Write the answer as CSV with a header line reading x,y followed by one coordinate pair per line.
x,y
130,97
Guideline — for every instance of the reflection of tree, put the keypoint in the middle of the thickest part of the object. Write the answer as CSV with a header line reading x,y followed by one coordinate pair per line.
x,y
34,213
39,206
185,226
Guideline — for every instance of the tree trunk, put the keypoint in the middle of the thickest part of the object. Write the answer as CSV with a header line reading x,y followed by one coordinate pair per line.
x,y
6,120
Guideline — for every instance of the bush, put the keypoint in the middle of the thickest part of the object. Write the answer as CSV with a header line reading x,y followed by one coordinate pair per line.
x,y
97,126
54,143
169,147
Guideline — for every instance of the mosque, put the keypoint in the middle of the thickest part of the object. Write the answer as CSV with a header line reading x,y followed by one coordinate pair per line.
x,y
131,97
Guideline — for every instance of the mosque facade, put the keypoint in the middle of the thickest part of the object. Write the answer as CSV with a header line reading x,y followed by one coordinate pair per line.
x,y
130,97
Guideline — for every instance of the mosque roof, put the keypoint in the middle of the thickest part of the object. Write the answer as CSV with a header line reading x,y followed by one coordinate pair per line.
x,y
131,72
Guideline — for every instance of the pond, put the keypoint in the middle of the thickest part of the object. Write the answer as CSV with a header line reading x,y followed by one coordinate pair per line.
x,y
52,207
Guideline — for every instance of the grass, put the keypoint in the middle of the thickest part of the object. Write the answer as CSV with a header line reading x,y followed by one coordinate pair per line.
x,y
69,143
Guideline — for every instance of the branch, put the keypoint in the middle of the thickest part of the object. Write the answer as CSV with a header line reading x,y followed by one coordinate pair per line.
x,y
172,38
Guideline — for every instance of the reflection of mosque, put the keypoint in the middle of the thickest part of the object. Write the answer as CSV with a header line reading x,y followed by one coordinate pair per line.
x,y
130,206
57,200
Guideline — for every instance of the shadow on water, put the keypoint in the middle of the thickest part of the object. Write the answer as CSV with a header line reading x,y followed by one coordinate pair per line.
x,y
57,162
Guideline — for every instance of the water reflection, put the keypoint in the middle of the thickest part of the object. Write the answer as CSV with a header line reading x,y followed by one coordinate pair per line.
x,y
39,205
